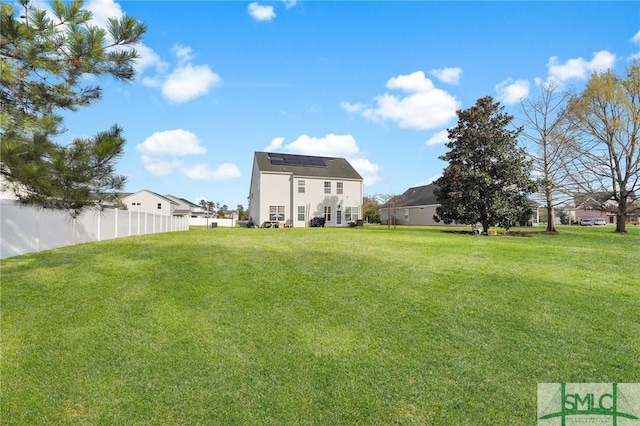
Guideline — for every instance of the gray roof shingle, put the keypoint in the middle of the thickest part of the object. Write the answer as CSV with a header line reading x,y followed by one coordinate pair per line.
x,y
417,196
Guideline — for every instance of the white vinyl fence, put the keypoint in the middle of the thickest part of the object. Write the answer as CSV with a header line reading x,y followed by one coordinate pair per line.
x,y
27,230
223,223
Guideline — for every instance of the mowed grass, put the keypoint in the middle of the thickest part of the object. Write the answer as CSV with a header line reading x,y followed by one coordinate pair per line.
x,y
315,326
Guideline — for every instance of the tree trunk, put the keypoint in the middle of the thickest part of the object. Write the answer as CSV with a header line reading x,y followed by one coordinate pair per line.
x,y
621,225
551,219
485,227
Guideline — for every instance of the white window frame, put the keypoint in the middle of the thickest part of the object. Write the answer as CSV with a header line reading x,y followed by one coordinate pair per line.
x,y
276,214
351,213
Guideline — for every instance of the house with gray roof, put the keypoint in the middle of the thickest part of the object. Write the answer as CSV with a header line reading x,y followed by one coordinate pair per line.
x,y
417,206
293,189
184,207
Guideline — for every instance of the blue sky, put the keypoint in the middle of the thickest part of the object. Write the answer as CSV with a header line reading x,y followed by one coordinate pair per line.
x,y
374,82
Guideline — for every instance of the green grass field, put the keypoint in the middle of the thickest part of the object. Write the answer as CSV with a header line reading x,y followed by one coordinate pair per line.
x,y
315,326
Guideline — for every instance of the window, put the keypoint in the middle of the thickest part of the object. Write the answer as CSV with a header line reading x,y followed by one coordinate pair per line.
x,y
351,213
301,214
300,187
327,187
339,187
406,214
327,213
338,217
159,206
276,213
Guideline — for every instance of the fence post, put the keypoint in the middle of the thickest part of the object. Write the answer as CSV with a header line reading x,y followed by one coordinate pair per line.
x,y
38,229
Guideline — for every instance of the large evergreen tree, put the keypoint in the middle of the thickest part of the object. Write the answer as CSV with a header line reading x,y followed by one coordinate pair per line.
x,y
488,177
44,59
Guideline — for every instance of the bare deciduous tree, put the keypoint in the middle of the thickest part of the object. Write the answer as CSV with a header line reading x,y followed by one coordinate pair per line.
x,y
606,148
544,120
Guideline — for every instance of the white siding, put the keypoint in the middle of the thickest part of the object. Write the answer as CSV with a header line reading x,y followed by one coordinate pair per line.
x,y
314,199
147,202
275,190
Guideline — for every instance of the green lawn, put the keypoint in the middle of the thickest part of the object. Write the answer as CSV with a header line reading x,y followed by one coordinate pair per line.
x,y
315,326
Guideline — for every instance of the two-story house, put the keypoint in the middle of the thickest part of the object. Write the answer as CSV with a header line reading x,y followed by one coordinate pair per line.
x,y
149,202
293,189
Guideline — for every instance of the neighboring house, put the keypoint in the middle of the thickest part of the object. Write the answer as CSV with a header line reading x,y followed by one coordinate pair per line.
x,y
184,207
602,204
293,189
417,206
534,219
149,202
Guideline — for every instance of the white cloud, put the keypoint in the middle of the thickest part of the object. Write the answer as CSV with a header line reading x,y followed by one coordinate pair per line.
x,y
185,82
424,107
447,75
149,59
370,172
579,68
415,82
159,167
152,81
434,178
511,92
225,171
636,39
183,53
439,138
171,142
352,107
188,82
161,149
289,3
260,12
102,10
275,145
331,145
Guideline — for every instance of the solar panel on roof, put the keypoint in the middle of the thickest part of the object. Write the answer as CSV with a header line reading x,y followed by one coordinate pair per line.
x,y
297,160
